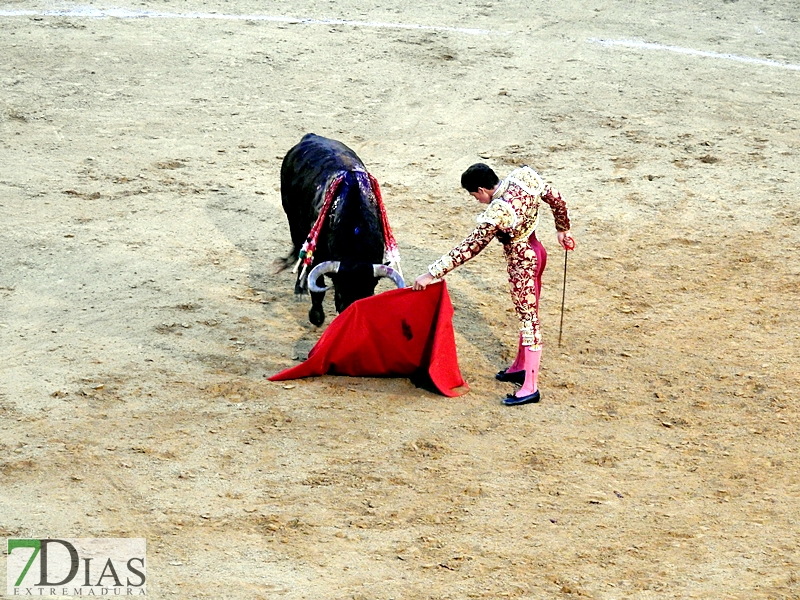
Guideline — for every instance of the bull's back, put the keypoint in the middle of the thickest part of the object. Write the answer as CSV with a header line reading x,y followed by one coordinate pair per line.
x,y
306,168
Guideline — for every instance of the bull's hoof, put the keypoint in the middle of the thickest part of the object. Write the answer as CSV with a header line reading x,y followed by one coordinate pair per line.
x,y
316,316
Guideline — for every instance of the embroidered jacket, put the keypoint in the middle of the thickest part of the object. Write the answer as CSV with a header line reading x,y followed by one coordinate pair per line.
x,y
511,217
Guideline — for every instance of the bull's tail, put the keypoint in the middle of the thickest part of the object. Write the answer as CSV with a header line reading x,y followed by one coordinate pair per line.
x,y
281,264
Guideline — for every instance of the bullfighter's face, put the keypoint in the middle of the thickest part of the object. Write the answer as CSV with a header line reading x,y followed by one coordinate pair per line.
x,y
483,195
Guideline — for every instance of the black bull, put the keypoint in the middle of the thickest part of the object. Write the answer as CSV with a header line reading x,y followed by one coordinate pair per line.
x,y
350,246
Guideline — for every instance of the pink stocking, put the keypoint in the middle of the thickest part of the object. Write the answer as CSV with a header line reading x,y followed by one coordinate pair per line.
x,y
519,361
532,360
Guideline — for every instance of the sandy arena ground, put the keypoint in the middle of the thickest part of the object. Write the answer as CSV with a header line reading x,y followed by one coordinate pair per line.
x,y
139,314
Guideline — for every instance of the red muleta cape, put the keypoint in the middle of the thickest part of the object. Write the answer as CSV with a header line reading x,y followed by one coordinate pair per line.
x,y
400,333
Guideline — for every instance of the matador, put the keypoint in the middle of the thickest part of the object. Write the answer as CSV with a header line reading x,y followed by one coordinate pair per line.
x,y
511,216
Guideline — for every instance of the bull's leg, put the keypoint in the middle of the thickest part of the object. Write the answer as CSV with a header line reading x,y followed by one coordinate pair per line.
x,y
316,315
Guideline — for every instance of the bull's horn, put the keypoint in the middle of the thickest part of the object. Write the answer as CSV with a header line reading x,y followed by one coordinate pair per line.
x,y
384,271
329,266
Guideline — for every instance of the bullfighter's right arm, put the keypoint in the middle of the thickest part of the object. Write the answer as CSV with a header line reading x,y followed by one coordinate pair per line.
x,y
558,206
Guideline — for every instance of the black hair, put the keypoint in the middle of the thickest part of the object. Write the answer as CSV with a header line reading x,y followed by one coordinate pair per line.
x,y
477,176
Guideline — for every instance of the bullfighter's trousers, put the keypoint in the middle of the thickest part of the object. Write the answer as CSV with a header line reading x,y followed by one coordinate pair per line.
x,y
526,260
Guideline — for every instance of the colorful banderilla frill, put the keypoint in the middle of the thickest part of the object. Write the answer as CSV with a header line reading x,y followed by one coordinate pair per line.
x,y
391,253
365,180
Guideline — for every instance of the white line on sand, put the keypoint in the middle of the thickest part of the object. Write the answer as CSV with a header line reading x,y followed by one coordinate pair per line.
x,y
125,13
678,49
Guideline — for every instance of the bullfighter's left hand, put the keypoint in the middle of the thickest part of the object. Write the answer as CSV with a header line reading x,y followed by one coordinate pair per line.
x,y
423,281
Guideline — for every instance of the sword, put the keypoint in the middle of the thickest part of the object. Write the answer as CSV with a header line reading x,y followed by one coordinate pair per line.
x,y
570,245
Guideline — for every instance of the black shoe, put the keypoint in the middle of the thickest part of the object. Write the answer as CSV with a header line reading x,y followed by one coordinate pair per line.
x,y
517,377
512,400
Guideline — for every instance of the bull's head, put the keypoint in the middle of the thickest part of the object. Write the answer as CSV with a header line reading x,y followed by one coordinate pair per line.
x,y
352,244
352,281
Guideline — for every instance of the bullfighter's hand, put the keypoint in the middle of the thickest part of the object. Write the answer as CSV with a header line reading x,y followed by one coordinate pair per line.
x,y
422,281
566,240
